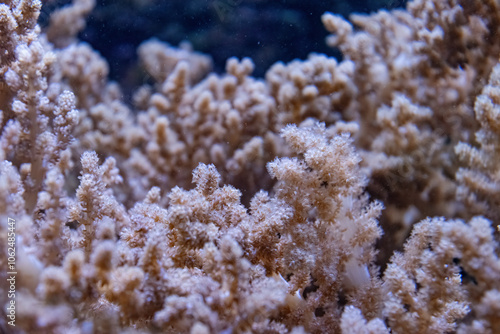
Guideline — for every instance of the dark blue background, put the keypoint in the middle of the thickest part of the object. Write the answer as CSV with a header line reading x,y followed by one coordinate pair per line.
x,y
265,30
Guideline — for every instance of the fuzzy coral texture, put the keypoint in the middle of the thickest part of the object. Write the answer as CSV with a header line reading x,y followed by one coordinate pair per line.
x,y
354,196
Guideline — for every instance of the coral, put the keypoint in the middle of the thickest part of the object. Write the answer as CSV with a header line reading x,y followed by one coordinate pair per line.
x,y
225,203
478,177
448,269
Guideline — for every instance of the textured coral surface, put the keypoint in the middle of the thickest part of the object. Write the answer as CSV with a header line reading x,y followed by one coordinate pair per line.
x,y
358,195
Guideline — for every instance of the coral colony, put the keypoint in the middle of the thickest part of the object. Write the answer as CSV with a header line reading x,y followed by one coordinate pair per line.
x,y
352,196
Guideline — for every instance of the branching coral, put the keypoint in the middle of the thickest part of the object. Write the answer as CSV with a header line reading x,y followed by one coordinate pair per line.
x,y
479,183
231,204
447,268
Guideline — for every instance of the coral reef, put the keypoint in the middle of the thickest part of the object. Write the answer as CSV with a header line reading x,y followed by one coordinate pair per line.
x,y
352,196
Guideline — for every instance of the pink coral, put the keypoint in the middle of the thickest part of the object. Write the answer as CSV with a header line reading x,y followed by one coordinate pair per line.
x,y
231,204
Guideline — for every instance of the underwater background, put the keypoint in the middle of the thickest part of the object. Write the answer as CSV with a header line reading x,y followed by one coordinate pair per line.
x,y
266,31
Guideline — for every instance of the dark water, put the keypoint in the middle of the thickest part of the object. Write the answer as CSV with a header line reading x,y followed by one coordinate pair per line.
x,y
266,31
